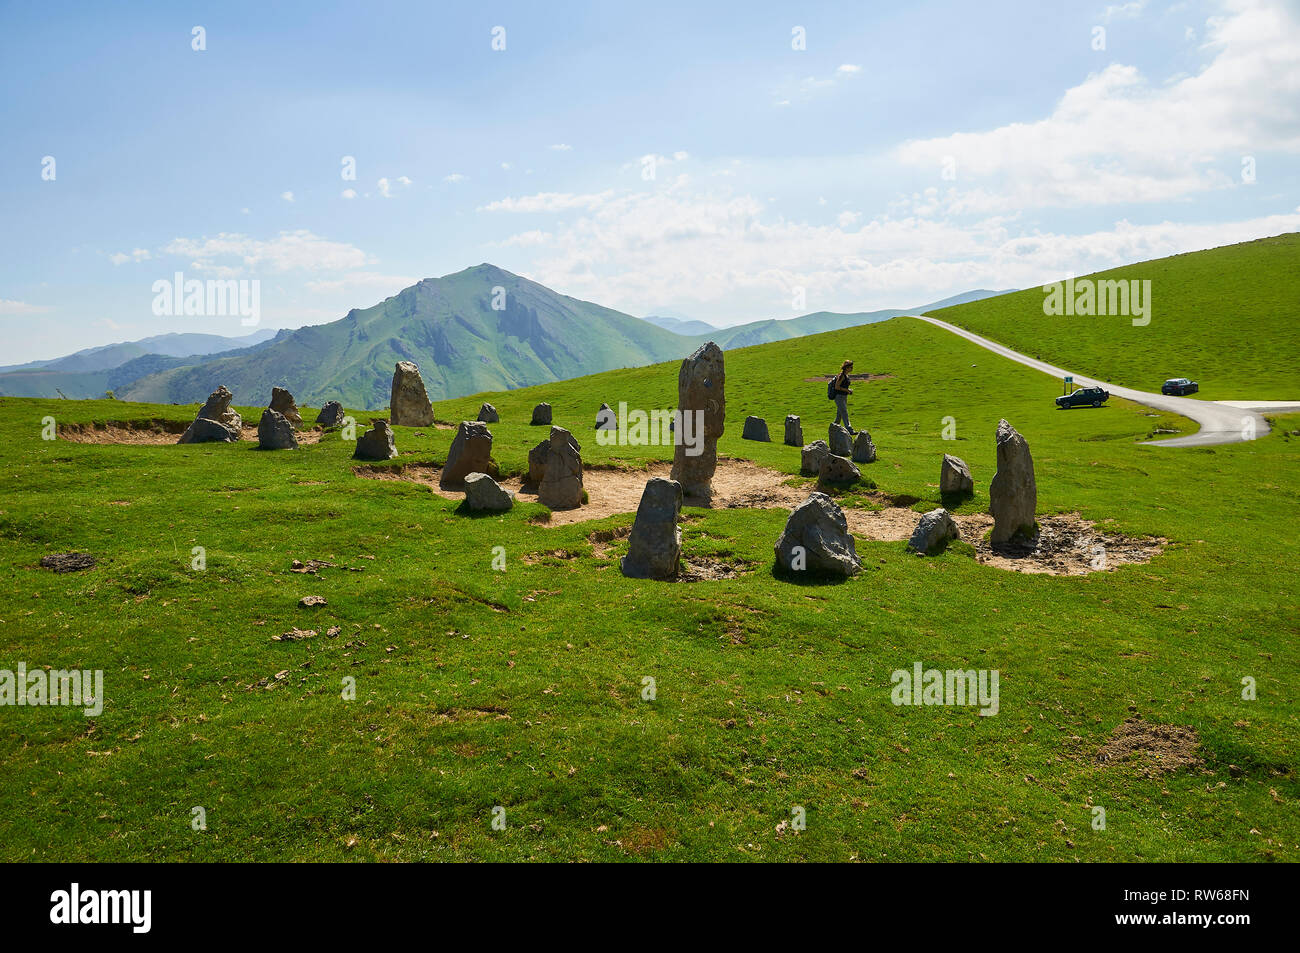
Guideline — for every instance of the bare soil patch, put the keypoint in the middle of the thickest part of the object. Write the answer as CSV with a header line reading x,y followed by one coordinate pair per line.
x,y
1066,545
1155,747
68,562
154,432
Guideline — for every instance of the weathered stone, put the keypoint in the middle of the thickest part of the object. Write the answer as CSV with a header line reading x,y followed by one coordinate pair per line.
x,y
409,403
203,430
755,429
606,419
793,431
1013,492
816,539
561,487
282,403
954,476
331,415
810,460
376,443
274,432
701,398
488,414
836,469
839,441
541,416
935,530
484,493
537,458
471,452
655,546
216,422
864,451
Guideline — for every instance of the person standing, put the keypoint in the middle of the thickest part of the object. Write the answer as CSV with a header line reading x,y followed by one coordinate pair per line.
x,y
842,392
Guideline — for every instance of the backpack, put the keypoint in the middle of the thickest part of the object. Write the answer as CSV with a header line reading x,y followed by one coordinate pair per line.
x,y
830,387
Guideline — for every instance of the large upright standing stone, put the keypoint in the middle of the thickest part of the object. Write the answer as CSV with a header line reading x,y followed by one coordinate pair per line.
x,y
471,452
561,487
793,431
1013,492
376,443
215,422
701,397
409,404
274,432
282,403
655,545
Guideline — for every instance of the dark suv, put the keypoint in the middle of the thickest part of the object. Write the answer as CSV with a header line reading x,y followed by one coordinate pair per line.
x,y
1083,397
1179,387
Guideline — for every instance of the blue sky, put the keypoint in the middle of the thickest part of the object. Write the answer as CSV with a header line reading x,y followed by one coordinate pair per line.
x,y
909,152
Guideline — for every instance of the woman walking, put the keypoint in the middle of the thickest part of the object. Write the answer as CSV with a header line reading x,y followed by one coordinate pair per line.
x,y
842,391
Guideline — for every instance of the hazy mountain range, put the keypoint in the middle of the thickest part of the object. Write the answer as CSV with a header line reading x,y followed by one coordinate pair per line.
x,y
448,326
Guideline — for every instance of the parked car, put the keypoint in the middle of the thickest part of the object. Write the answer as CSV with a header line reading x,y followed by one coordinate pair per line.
x,y
1083,397
1179,387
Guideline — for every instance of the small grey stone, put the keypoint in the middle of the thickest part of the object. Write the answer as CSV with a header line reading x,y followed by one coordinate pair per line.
x,y
274,432
488,414
541,416
839,441
954,476
864,451
755,429
331,415
934,531
484,493
838,470
793,431
377,443
810,460
816,539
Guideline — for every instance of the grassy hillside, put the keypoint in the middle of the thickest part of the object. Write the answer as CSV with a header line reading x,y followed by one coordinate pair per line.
x,y
1226,317
449,327
522,688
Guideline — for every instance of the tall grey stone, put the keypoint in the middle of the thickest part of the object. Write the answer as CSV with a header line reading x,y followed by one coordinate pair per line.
x,y
471,452
755,429
793,431
1013,492
810,460
274,432
935,530
655,546
701,398
839,441
864,451
409,404
376,443
331,415
561,487
488,414
541,416
282,403
816,539
954,476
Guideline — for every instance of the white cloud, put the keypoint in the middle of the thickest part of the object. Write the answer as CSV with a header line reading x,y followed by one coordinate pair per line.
x,y
1122,11
454,177
547,202
287,196
505,165
229,254
1118,137
136,254
349,193
847,69
561,147
22,307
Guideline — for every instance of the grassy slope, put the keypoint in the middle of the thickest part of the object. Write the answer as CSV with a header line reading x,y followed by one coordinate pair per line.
x,y
770,694
1226,317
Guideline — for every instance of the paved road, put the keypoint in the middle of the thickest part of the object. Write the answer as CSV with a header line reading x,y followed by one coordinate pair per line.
x,y
1220,422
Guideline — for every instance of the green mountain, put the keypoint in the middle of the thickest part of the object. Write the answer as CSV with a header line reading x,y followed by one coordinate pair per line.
x,y
447,326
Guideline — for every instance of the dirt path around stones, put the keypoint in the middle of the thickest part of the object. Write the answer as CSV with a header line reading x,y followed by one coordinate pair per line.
x,y
1067,543
154,433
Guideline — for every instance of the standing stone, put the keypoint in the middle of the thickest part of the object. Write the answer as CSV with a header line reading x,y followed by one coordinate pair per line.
x,y
755,429
606,419
216,422
954,476
537,458
793,431
701,398
1013,492
274,432
484,493
331,415
561,487
488,414
655,545
471,452
864,451
840,442
835,469
541,416
376,443
816,539
282,403
935,530
409,404
810,461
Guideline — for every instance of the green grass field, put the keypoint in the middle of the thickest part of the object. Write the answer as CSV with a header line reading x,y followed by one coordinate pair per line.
x,y
523,688
1225,317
